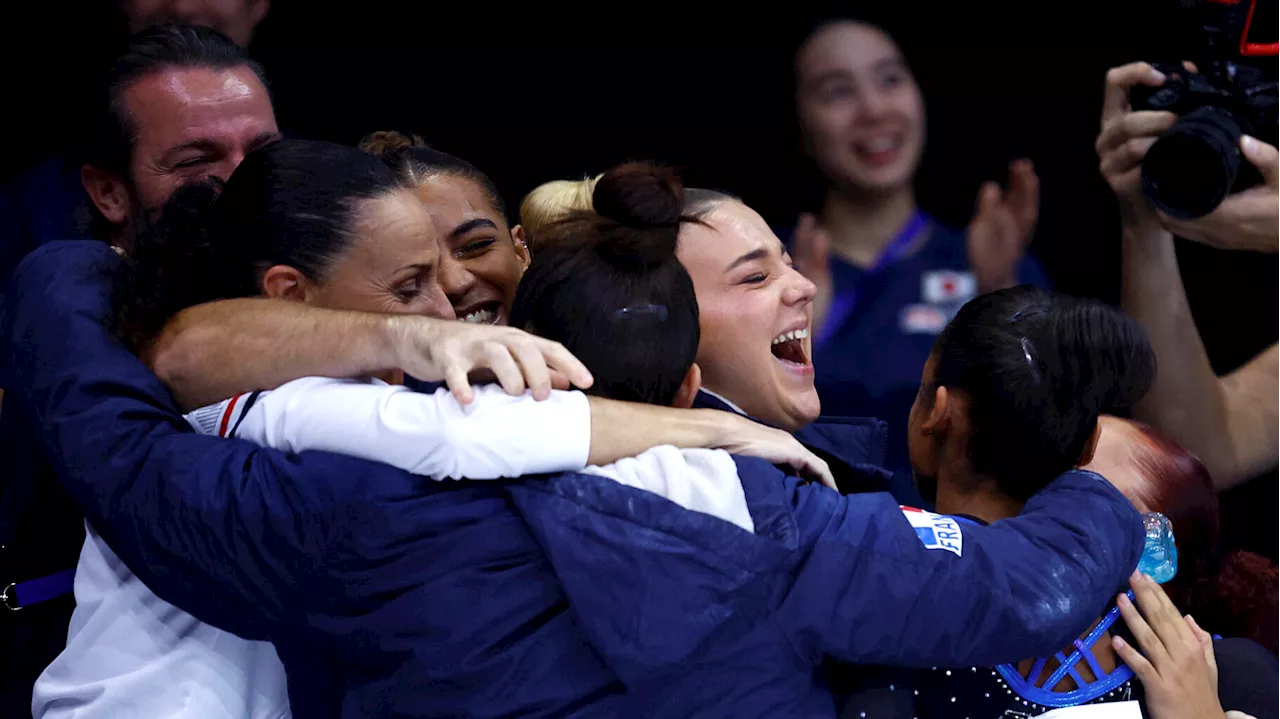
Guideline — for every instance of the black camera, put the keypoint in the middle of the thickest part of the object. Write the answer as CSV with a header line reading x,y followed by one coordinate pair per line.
x,y
1197,163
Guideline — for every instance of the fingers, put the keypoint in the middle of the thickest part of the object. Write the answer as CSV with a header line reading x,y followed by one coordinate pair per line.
x,y
1131,126
537,376
813,468
498,359
559,381
455,378
820,251
1164,618
807,223
1135,661
562,361
1126,157
1147,640
989,197
811,246
1023,197
1120,80
1203,638
1262,156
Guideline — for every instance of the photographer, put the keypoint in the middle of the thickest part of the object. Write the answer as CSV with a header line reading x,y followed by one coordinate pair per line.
x,y
1229,421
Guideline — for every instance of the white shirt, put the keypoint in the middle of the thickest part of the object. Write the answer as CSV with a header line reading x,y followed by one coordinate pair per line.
x,y
130,654
1106,710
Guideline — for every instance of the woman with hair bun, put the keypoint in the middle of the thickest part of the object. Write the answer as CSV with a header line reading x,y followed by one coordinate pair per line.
x,y
756,316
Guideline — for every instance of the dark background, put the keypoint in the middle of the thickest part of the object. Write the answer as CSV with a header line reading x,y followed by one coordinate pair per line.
x,y
530,96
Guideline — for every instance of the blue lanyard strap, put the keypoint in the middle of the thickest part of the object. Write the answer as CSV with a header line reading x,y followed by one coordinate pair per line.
x,y
844,302
17,595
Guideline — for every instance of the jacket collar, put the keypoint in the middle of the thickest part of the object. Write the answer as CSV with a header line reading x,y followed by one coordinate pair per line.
x,y
854,447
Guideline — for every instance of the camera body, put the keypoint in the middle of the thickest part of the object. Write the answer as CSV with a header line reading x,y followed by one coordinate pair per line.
x,y
1197,163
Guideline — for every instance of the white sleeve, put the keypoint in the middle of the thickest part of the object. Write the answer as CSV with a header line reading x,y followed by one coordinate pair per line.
x,y
497,435
701,480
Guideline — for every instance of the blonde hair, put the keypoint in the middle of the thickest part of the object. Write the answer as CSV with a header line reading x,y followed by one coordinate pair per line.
x,y
553,201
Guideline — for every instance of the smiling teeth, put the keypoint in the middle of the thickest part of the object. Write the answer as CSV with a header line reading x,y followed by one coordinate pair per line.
x,y
788,336
481,317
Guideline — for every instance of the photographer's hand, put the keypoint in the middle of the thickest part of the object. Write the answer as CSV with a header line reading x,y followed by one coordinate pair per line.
x,y
1229,422
1248,220
1126,136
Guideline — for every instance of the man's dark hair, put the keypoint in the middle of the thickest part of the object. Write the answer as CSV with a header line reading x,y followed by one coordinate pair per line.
x,y
109,139
607,285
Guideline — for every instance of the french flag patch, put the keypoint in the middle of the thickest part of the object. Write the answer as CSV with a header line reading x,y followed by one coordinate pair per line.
x,y
935,530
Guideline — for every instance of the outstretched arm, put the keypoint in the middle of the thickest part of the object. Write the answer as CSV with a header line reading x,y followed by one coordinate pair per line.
x,y
497,435
213,351
230,532
947,594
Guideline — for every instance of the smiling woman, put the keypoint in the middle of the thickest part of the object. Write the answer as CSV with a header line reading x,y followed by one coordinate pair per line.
x,y
755,310
889,275
481,257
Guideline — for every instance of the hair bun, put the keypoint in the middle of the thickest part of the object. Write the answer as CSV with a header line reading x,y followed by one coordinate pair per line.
x,y
640,195
638,250
385,143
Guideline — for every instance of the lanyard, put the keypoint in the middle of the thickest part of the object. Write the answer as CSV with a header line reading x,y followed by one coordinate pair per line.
x,y
843,303
21,594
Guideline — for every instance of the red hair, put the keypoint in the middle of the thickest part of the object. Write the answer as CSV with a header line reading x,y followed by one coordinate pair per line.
x,y
1235,595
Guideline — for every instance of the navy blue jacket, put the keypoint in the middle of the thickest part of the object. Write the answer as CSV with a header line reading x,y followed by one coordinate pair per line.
x,y
702,619
853,447
386,594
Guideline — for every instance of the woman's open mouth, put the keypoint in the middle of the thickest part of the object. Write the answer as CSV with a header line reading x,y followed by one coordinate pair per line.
x,y
486,313
788,348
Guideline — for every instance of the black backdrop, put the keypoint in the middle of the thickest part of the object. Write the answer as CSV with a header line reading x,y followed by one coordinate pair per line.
x,y
530,96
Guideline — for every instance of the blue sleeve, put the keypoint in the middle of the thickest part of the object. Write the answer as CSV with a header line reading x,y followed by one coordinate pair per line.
x,y
222,528
870,590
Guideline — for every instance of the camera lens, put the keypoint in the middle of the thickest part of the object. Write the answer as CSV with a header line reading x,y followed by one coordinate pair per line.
x,y
1189,170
